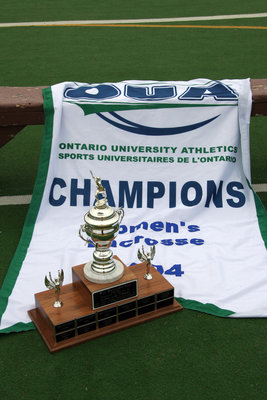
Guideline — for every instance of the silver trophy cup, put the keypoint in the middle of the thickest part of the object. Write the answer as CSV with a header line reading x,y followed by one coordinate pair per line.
x,y
101,226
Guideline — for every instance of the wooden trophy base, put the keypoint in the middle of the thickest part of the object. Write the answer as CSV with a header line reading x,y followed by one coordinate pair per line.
x,y
83,316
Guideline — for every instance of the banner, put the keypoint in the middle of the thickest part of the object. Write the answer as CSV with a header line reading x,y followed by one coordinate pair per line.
x,y
175,155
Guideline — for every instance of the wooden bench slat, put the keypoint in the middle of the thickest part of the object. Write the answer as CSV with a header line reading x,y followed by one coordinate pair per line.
x,y
21,106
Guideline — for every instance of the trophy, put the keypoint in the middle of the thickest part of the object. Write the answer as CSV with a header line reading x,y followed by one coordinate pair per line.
x,y
101,226
105,295
55,284
147,257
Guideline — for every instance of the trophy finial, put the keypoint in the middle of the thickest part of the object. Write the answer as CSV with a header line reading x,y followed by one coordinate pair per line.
x,y
100,195
147,257
56,285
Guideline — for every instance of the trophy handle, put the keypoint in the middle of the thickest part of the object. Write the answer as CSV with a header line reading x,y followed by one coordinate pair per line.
x,y
85,239
120,211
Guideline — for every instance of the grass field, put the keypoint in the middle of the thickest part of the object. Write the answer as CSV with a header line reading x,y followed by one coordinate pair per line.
x,y
30,10
189,355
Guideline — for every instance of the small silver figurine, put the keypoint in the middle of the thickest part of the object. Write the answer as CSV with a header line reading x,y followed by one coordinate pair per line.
x,y
147,257
55,284
99,189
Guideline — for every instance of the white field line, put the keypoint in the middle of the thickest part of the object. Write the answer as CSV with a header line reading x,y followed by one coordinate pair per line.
x,y
260,187
26,199
15,200
131,21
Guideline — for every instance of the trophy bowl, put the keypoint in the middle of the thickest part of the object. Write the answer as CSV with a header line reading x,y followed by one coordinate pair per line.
x,y
101,226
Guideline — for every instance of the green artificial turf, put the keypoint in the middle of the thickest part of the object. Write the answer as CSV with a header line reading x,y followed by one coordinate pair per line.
x,y
53,10
49,55
19,160
258,144
187,355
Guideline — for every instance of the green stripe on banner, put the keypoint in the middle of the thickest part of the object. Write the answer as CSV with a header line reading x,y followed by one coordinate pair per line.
x,y
97,108
262,217
204,307
19,327
30,220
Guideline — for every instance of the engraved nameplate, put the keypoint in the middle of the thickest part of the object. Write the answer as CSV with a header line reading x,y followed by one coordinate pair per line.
x,y
114,294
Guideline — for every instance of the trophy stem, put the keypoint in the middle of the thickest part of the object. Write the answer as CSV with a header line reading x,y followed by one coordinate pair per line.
x,y
103,277
58,303
103,258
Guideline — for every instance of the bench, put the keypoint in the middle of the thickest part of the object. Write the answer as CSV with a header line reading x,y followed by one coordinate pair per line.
x,y
22,106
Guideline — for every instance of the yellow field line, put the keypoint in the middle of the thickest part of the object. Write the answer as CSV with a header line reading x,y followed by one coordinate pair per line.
x,y
161,26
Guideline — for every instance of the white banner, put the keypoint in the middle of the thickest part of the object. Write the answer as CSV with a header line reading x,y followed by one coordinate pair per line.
x,y
175,155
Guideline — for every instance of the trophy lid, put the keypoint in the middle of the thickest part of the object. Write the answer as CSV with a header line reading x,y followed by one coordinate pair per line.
x,y
101,214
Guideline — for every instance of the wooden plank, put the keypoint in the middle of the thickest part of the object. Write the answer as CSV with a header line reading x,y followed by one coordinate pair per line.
x,y
9,132
259,97
24,105
21,106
